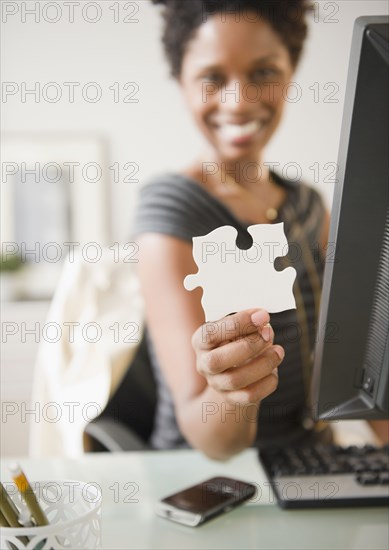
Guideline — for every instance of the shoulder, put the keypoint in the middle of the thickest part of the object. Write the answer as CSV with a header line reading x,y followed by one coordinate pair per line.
x,y
304,200
302,195
308,198
168,189
176,205
305,209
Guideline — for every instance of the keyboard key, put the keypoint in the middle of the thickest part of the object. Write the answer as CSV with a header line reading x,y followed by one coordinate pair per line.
x,y
376,466
359,467
383,478
337,469
368,478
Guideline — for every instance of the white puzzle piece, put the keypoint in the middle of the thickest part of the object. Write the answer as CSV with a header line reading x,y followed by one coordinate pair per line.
x,y
235,279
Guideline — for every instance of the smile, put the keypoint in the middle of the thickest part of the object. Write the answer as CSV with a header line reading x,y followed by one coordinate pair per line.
x,y
240,132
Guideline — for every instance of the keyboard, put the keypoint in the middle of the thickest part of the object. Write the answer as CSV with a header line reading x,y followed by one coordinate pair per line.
x,y
328,476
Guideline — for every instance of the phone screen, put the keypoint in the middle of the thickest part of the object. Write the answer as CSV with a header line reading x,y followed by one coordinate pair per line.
x,y
198,499
205,496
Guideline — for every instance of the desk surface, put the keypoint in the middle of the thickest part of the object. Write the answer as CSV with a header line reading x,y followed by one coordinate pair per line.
x,y
133,482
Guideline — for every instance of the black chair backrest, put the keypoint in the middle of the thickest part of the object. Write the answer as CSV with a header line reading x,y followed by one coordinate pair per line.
x,y
134,401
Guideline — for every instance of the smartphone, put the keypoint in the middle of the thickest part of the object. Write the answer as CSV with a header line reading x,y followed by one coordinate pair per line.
x,y
208,499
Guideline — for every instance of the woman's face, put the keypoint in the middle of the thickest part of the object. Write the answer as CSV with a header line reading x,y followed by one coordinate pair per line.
x,y
233,78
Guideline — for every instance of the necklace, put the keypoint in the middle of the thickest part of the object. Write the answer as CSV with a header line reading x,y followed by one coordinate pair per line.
x,y
271,213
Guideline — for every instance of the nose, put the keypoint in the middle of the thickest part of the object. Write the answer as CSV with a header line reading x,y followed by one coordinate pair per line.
x,y
239,97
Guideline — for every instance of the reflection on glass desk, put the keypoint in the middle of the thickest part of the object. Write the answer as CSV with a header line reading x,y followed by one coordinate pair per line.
x,y
133,482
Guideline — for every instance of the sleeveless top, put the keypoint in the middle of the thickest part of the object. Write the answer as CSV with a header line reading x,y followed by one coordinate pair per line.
x,y
173,204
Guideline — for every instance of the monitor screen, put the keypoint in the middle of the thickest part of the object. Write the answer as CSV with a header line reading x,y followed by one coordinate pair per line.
x,y
350,376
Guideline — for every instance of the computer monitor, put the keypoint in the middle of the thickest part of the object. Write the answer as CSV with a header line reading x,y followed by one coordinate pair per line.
x,y
351,366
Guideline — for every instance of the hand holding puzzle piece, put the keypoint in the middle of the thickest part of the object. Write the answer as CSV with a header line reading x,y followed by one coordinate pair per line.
x,y
234,279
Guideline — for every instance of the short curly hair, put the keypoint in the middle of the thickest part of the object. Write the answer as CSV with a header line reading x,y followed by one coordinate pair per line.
x,y
183,17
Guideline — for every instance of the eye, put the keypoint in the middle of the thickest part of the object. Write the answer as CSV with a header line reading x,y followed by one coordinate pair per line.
x,y
215,78
265,73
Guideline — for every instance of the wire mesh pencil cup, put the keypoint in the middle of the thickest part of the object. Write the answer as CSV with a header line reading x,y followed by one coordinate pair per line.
x,y
73,509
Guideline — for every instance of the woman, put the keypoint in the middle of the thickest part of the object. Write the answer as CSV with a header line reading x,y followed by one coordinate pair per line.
x,y
245,378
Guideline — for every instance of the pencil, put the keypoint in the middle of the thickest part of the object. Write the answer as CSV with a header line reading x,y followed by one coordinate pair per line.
x,y
4,523
28,495
9,514
3,520
8,508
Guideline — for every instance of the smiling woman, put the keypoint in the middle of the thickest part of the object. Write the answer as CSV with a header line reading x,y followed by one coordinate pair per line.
x,y
239,70
233,61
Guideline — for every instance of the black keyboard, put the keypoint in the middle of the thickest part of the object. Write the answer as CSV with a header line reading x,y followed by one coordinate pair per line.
x,y
327,476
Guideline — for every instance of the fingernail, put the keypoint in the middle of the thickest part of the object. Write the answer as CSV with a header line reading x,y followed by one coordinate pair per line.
x,y
260,317
266,332
279,351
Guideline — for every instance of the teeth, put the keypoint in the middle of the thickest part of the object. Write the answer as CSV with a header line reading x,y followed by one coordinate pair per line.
x,y
232,131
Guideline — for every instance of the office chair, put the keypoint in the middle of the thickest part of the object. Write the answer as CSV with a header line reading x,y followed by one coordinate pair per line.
x,y
127,421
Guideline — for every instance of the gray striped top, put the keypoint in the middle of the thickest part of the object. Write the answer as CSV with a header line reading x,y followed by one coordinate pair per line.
x,y
173,204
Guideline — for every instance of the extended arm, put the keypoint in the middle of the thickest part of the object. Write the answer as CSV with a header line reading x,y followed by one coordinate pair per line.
x,y
196,358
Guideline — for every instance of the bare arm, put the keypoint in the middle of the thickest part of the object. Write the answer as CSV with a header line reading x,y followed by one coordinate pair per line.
x,y
205,385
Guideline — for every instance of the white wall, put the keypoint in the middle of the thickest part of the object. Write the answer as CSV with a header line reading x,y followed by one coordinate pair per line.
x,y
156,132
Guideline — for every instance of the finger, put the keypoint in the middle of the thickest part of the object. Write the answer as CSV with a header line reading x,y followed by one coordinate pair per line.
x,y
212,334
255,370
233,354
255,392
